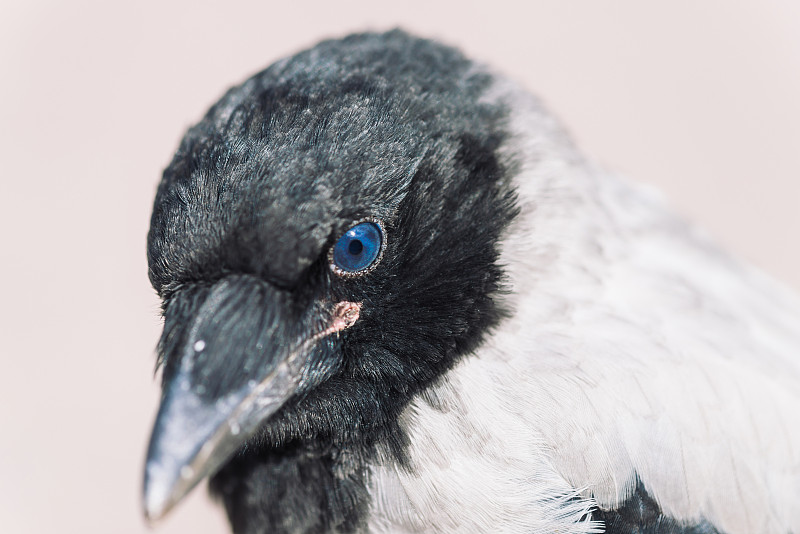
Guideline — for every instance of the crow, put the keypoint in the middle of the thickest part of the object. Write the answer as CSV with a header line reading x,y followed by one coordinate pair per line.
x,y
397,299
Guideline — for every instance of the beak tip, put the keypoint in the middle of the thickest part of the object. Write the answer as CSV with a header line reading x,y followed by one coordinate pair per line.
x,y
154,509
150,518
156,499
151,511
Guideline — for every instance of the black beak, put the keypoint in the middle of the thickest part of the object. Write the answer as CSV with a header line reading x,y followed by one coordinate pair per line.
x,y
234,354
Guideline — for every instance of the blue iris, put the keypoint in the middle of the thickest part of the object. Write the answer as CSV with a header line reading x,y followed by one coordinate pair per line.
x,y
358,249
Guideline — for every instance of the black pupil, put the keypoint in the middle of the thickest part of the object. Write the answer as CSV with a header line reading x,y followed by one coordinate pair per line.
x,y
355,247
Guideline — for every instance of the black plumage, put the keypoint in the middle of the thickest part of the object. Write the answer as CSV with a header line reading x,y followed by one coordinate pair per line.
x,y
641,514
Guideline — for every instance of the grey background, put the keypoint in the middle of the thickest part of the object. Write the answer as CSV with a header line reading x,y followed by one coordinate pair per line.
x,y
699,98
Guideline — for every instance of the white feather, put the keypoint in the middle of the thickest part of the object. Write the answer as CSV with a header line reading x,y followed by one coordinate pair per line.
x,y
636,348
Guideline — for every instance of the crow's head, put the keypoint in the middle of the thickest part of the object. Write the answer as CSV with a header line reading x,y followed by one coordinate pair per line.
x,y
325,245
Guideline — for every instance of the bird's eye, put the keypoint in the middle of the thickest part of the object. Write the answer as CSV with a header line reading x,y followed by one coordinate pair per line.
x,y
358,250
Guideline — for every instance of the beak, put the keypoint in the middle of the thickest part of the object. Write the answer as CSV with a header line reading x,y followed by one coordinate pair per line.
x,y
233,355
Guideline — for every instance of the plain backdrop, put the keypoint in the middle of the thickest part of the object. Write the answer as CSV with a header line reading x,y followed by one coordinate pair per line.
x,y
699,98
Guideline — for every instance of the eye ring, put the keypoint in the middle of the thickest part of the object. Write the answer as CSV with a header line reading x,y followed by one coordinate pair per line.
x,y
356,246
